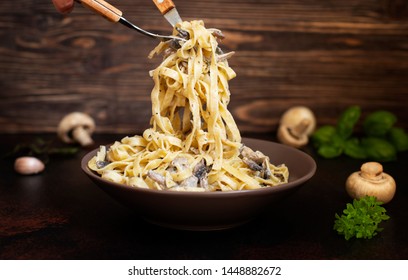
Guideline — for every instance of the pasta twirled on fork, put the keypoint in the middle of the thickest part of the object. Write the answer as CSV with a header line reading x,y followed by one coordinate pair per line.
x,y
193,143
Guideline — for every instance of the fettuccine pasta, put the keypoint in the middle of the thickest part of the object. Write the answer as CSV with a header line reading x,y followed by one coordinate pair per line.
x,y
193,143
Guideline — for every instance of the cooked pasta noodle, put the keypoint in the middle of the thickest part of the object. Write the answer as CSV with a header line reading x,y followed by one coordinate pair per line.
x,y
193,143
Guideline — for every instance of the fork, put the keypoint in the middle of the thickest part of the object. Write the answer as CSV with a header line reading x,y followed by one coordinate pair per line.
x,y
113,14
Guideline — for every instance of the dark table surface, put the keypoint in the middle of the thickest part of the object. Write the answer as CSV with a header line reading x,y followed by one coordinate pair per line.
x,y
61,214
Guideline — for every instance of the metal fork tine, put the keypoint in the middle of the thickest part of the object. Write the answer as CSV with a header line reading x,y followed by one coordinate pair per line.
x,y
147,33
113,14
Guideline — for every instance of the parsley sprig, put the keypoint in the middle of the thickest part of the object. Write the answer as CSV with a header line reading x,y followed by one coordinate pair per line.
x,y
361,218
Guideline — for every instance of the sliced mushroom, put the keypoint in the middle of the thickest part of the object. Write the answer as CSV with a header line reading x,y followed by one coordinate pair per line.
x,y
200,169
76,127
252,164
217,33
101,163
183,33
256,156
201,172
266,169
256,161
225,56
158,178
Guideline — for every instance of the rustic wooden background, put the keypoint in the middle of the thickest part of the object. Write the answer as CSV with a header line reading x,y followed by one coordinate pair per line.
x,y
325,54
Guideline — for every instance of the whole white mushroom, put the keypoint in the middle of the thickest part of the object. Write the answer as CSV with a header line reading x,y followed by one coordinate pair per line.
x,y
371,181
295,126
76,127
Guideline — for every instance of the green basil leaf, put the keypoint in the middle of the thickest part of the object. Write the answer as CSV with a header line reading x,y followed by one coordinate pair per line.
x,y
347,121
379,123
399,138
379,149
353,149
337,141
323,135
329,151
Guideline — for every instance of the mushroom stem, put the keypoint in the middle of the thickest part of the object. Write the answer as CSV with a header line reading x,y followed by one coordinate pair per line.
x,y
300,129
82,136
371,171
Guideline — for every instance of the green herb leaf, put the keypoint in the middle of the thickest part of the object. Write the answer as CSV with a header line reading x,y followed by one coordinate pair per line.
x,y
332,149
399,138
41,148
379,149
329,151
353,149
382,141
361,218
379,123
323,135
347,121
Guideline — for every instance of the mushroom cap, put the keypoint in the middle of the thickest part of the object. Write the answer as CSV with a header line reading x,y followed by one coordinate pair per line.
x,y
371,181
295,115
72,121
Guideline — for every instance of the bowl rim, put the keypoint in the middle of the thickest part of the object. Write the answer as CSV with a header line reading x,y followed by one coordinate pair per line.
x,y
278,188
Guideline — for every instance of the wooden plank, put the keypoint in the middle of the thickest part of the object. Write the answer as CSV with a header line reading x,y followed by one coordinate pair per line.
x,y
323,54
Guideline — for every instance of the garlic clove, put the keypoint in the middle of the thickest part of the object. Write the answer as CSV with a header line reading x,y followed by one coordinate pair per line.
x,y
28,165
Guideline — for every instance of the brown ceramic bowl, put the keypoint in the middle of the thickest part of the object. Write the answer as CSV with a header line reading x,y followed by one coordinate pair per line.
x,y
212,210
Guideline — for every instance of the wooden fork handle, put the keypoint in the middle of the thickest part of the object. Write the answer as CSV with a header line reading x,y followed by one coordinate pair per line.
x,y
164,5
102,8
